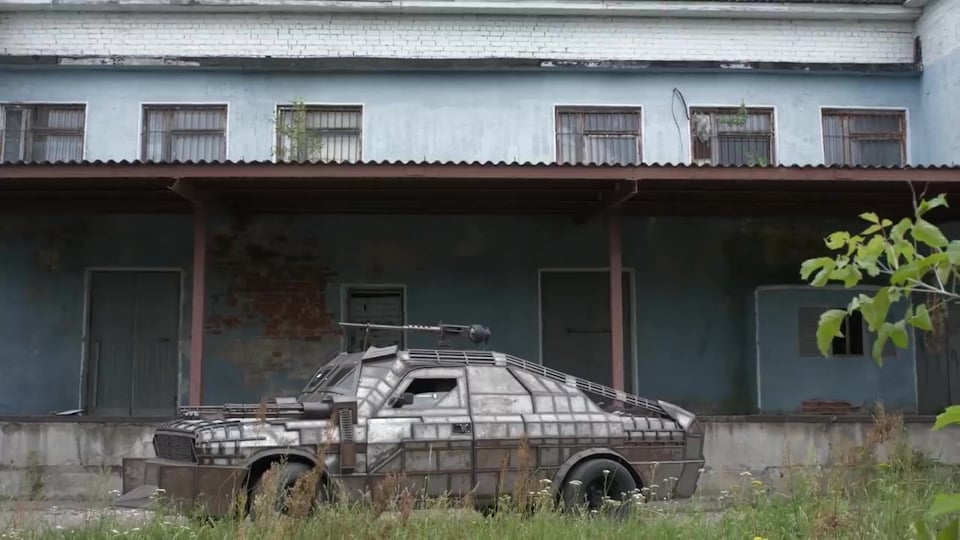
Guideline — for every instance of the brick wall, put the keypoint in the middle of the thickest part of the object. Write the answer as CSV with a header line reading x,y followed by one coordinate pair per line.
x,y
319,35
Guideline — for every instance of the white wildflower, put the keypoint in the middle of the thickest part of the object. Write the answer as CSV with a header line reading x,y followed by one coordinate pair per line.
x,y
745,473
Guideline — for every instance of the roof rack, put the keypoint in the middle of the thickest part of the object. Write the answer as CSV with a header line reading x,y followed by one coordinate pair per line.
x,y
489,358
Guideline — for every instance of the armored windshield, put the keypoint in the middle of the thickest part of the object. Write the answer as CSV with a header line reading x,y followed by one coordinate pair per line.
x,y
337,377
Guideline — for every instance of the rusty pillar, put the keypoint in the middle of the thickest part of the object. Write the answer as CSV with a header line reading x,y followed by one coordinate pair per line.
x,y
197,310
616,298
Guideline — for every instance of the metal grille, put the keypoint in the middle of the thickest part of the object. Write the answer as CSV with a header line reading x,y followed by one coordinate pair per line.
x,y
599,136
43,132
485,358
864,138
184,133
732,136
317,133
346,424
174,447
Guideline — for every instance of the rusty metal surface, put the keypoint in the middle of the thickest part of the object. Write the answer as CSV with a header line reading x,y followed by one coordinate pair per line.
x,y
475,422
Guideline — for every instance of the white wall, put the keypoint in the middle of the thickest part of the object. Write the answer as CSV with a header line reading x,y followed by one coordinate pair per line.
x,y
453,36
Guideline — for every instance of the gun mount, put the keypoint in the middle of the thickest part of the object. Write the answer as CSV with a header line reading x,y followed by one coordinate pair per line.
x,y
475,333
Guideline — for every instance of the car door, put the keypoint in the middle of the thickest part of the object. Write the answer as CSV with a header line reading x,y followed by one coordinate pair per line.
x,y
426,440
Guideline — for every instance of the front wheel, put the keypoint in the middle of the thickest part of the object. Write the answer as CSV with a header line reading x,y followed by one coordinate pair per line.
x,y
592,481
279,491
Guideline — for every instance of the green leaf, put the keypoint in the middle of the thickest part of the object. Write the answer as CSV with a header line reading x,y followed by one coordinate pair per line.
x,y
929,234
950,416
951,531
849,275
875,309
921,318
921,530
886,222
837,240
930,204
829,328
870,216
810,266
943,504
900,229
882,336
953,252
898,333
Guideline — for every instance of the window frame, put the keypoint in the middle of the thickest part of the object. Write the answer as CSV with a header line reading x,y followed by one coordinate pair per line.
x,y
320,107
345,293
560,110
34,105
725,110
847,112
173,106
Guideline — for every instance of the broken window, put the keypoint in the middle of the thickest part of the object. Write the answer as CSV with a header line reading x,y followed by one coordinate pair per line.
x,y
374,305
319,133
431,392
864,138
732,136
184,133
599,136
36,132
851,344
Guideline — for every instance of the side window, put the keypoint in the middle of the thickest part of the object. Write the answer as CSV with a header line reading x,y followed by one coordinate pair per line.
x,y
428,389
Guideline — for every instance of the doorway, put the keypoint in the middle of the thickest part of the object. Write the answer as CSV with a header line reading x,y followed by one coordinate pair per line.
x,y
575,324
131,364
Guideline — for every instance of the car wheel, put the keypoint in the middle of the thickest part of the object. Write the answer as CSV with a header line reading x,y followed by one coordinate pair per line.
x,y
289,474
591,481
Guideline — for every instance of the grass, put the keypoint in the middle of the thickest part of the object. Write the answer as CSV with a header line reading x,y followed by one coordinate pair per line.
x,y
875,491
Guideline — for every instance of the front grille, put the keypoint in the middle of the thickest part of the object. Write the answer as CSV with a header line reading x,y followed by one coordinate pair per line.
x,y
174,447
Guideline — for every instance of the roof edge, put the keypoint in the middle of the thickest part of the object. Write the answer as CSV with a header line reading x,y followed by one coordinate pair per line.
x,y
361,64
783,9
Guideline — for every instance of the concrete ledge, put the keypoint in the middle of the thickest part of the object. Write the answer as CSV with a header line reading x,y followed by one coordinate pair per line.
x,y
66,459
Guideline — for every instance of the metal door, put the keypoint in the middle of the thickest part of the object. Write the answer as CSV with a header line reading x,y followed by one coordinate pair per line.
x,y
132,343
938,370
575,313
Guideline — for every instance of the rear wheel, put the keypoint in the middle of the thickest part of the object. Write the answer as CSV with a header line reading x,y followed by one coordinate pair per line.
x,y
590,482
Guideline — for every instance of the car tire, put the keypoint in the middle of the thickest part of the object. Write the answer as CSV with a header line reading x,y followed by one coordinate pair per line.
x,y
289,473
589,481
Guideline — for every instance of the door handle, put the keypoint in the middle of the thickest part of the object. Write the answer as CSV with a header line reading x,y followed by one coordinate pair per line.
x,y
462,429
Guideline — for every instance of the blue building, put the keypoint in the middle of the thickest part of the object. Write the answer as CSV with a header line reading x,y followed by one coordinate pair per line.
x,y
192,196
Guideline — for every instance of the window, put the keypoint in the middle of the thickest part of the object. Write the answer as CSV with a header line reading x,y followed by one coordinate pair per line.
x,y
732,136
184,133
429,393
865,138
42,132
599,136
319,133
851,344
375,305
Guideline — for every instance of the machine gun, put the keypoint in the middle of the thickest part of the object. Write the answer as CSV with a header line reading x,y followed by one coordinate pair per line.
x,y
475,333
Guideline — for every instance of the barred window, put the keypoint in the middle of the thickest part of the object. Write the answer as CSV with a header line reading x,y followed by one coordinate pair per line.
x,y
732,136
319,133
184,133
599,136
864,138
39,132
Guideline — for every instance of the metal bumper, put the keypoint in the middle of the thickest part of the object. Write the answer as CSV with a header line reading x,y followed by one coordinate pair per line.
x,y
187,487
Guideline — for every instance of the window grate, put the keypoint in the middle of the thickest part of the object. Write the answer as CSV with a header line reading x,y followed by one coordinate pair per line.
x,y
601,136
40,132
184,133
732,136
864,138
319,133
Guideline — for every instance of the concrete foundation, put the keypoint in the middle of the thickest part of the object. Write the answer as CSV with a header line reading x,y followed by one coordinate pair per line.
x,y
81,460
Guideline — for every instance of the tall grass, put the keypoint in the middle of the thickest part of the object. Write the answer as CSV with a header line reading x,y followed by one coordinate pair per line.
x,y
877,490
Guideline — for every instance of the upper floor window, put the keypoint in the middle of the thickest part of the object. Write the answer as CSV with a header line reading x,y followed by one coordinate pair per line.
x,y
732,136
864,137
599,135
41,132
184,133
319,133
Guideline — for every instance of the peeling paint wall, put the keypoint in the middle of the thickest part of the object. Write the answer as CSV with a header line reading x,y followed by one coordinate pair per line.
x,y
274,289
